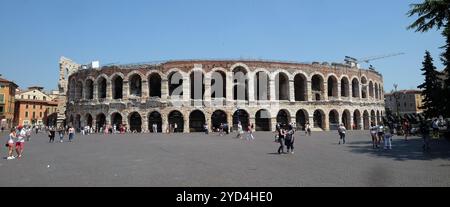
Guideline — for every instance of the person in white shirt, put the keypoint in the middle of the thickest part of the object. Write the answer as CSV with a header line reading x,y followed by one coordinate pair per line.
x,y
342,131
373,133
10,144
20,141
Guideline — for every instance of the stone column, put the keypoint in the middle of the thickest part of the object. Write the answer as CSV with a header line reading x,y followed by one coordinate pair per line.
x,y
186,123
95,92
229,87
291,91
165,123
273,123
309,91
145,89
186,91
207,97
125,89
144,124
251,89
339,91
108,90
272,93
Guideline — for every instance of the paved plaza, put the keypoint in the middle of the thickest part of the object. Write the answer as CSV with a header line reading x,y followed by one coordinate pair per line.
x,y
198,160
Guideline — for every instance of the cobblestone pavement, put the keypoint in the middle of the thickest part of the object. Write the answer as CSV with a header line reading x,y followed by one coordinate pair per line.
x,y
198,160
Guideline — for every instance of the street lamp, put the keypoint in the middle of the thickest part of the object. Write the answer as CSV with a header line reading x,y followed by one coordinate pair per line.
x,y
396,96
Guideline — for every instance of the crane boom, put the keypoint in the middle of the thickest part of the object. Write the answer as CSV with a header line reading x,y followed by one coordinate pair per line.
x,y
367,60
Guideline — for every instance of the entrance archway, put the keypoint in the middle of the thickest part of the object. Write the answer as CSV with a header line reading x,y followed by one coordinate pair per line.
x,y
241,116
116,120
176,117
155,118
135,122
356,120
301,117
196,121
283,117
319,119
333,120
346,119
217,118
100,121
262,120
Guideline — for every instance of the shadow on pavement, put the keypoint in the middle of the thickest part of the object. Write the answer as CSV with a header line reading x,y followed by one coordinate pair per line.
x,y
405,150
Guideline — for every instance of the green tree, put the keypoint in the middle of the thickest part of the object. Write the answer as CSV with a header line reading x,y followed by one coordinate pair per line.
x,y
435,14
432,89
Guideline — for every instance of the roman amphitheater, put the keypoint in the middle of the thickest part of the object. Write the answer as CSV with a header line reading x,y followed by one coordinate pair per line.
x,y
265,93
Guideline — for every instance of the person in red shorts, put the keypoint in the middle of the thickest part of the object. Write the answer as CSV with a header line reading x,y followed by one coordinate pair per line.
x,y
20,141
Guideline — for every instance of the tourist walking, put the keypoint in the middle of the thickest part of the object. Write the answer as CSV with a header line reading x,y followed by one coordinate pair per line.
x,y
250,132
20,141
435,126
175,126
406,129
240,131
373,134
308,129
289,139
281,140
342,131
380,133
388,132
205,127
425,131
51,135
155,128
10,144
71,133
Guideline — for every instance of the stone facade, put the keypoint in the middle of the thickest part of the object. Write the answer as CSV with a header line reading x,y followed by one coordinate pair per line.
x,y
141,95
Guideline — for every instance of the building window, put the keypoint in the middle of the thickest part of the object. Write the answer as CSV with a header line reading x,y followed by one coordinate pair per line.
x,y
21,96
34,115
1,109
34,106
41,106
40,114
29,96
2,98
26,106
26,114
45,98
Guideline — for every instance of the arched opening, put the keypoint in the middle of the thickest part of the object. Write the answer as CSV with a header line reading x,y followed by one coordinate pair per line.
x,y
301,117
241,116
371,95
101,88
71,121
135,82
319,119
345,89
282,87
376,91
261,86
356,120
317,87
364,88
355,88
176,117
197,85
100,121
197,121
217,118
77,124
89,91
333,120
51,120
240,87
175,84
154,85
79,90
366,120
300,85
346,119
155,118
135,122
262,120
116,120
283,117
218,85
72,89
378,118
117,87
332,87
89,121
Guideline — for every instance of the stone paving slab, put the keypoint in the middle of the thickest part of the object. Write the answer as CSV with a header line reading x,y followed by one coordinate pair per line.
x,y
198,160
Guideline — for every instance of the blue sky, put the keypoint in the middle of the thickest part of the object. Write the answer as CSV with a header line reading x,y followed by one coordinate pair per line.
x,y
34,34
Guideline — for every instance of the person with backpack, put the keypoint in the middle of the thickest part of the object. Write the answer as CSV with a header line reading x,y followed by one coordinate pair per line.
x,y
281,140
342,131
51,135
289,139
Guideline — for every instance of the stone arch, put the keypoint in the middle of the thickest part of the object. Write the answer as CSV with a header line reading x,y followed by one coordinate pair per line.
x,y
364,87
345,87
262,84
283,117
355,88
333,119
317,86
100,121
346,119
135,121
135,84
154,85
89,120
175,81
262,120
332,84
240,65
77,123
72,89
79,90
371,88
197,78
242,116
197,121
218,83
366,120
102,85
218,117
116,119
319,119
300,87
176,117
117,86
155,118
378,117
301,118
240,83
377,95
282,86
373,117
89,89
356,120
